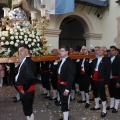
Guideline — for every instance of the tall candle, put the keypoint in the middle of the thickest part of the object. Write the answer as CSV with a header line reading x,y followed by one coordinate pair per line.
x,y
6,12
33,15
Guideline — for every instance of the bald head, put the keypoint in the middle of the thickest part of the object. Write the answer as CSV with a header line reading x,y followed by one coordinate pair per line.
x,y
84,50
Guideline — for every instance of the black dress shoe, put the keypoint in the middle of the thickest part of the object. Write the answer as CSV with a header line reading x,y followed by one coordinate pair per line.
x,y
63,119
56,101
114,110
47,97
80,101
44,94
94,108
16,100
100,101
58,104
103,114
52,98
87,105
72,99
91,99
108,108
76,92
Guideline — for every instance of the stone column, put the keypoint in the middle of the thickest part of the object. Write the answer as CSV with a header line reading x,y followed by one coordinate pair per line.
x,y
117,39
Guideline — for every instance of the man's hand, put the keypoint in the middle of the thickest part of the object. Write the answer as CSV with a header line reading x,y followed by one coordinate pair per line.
x,y
22,91
117,85
65,93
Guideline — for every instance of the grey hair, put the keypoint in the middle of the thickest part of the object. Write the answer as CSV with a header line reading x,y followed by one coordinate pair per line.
x,y
105,48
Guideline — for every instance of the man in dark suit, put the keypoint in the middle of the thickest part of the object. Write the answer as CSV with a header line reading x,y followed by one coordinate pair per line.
x,y
100,74
24,81
66,76
115,74
45,76
53,75
84,81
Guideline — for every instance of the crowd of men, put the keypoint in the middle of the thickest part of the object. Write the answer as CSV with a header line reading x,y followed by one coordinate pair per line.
x,y
100,73
66,77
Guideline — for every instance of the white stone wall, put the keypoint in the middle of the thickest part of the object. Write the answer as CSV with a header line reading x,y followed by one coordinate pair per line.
x,y
109,24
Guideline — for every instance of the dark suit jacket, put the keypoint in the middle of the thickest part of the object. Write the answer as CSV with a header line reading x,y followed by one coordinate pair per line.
x,y
26,75
53,68
104,69
116,68
67,73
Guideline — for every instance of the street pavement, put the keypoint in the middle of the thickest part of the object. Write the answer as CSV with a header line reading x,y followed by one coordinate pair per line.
x,y
45,109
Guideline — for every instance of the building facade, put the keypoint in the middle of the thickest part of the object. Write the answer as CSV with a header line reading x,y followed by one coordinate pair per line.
x,y
87,25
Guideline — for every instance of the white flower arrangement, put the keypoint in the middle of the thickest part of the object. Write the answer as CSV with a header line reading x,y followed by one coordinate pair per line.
x,y
9,40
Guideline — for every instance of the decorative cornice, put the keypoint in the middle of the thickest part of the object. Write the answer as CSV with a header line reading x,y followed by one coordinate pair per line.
x,y
96,36
52,32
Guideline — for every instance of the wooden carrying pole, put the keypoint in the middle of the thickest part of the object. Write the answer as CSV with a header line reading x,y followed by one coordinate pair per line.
x,y
45,58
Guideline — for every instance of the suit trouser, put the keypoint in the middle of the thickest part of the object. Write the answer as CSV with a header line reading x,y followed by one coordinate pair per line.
x,y
84,83
54,81
27,102
113,91
99,89
73,85
45,80
64,99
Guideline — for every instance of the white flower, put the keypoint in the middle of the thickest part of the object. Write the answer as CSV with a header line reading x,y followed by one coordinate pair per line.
x,y
21,30
2,43
18,27
8,50
16,44
33,44
26,42
33,36
34,49
28,32
2,38
25,36
11,32
33,32
12,37
21,33
25,39
6,43
11,42
34,40
38,44
16,37
22,41
24,31
29,39
16,33
29,46
30,35
20,37
37,37
15,30
17,41
38,40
